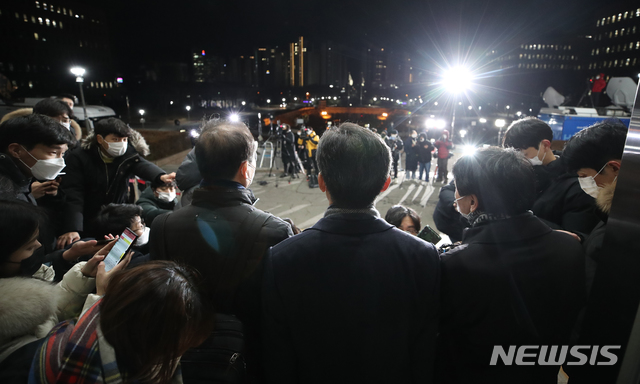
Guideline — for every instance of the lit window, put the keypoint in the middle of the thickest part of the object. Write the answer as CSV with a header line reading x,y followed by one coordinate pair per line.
x,y
64,11
37,4
17,15
627,62
637,45
70,12
40,20
616,33
101,84
53,22
80,43
619,16
26,20
48,22
61,25
33,19
44,5
35,36
626,14
598,23
31,84
92,84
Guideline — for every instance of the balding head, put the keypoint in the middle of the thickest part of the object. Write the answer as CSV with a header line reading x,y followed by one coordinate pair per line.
x,y
222,148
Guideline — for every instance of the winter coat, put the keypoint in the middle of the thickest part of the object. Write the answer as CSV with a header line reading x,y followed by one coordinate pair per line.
x,y
13,183
395,145
188,174
30,307
310,143
443,146
90,183
424,151
351,300
288,144
153,206
75,128
599,84
412,154
513,281
446,217
563,204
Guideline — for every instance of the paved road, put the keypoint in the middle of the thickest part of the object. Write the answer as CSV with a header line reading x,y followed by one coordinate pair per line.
x,y
294,199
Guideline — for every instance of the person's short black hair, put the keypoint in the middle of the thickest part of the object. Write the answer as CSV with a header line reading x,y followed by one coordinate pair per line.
x,y
396,213
52,108
502,179
20,220
354,163
594,146
527,132
113,126
221,148
115,218
34,129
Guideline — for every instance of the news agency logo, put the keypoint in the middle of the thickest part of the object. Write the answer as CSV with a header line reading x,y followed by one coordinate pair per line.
x,y
548,355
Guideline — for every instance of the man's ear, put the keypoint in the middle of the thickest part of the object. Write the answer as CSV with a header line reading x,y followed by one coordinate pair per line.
x,y
14,149
546,143
473,203
386,184
321,184
244,169
615,166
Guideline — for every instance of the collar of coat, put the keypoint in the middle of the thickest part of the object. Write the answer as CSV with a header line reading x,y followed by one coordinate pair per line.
x,y
517,228
220,196
352,224
9,169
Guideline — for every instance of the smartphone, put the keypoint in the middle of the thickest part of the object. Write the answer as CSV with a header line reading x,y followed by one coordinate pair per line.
x,y
428,234
122,246
103,241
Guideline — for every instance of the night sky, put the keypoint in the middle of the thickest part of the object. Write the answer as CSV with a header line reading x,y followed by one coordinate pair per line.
x,y
144,30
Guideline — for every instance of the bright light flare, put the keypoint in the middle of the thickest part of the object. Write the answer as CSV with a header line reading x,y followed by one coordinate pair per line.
x,y
469,150
457,79
78,71
463,132
500,123
234,117
141,112
482,120
188,107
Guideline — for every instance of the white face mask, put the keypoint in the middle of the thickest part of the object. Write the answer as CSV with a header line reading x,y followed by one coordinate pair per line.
x,y
414,135
45,169
117,149
465,215
167,196
66,125
536,159
589,185
144,238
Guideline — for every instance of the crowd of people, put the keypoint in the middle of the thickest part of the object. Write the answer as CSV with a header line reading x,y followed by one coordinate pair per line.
x,y
216,290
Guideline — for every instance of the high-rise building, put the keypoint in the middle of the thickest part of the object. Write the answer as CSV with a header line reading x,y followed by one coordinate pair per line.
x,y
41,41
297,53
616,42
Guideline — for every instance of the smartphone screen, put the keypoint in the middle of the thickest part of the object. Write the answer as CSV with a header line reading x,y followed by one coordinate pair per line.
x,y
119,249
428,234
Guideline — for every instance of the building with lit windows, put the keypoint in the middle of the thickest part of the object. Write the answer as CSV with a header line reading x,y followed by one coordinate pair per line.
x,y
616,43
41,41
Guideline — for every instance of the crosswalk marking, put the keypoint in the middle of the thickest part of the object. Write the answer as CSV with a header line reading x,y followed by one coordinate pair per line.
x,y
427,194
385,193
294,209
415,196
272,208
409,190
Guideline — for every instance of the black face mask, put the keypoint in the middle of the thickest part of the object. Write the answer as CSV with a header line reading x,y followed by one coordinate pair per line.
x,y
29,266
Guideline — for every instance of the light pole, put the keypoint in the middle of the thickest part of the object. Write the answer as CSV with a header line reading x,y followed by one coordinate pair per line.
x,y
141,112
188,113
456,80
78,72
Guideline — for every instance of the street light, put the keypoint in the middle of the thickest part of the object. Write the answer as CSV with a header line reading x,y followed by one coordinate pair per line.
x,y
234,117
141,112
79,72
456,80
188,113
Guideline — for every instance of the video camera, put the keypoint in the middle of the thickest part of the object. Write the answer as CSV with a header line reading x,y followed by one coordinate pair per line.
x,y
305,132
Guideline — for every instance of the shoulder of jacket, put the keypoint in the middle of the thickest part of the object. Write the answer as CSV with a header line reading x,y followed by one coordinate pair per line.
x,y
26,303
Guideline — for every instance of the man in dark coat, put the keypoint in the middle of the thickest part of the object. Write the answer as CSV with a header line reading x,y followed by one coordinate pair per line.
x,y
425,148
352,299
98,174
514,281
446,217
595,155
560,201
288,151
221,234
156,200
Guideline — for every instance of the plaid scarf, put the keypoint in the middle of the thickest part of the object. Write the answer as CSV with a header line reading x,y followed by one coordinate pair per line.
x,y
79,354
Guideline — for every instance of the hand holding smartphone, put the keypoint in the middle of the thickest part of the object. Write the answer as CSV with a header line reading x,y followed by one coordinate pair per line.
x,y
428,234
120,249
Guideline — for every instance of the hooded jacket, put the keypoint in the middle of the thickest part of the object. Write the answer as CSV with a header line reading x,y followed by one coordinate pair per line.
x,y
30,307
153,206
90,183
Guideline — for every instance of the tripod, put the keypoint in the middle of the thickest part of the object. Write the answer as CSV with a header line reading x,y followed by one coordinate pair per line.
x,y
587,93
